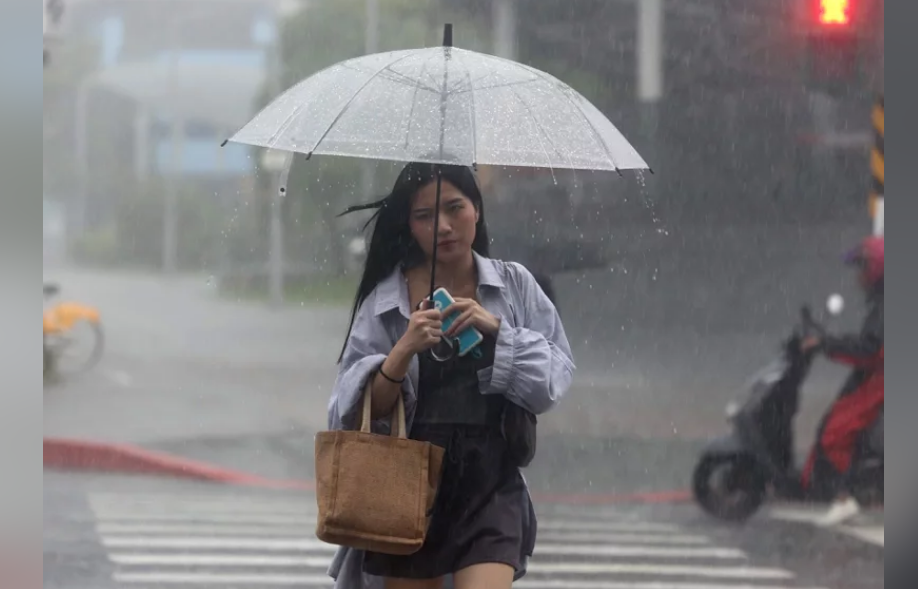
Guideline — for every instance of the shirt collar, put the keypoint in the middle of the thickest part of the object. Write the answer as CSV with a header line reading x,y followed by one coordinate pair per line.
x,y
392,293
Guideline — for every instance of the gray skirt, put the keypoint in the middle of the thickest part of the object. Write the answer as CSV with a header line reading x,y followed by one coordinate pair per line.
x,y
478,514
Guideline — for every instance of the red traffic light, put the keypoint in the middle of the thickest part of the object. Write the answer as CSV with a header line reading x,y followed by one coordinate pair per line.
x,y
834,12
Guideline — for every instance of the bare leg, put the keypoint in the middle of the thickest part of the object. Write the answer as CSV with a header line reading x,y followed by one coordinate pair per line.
x,y
485,576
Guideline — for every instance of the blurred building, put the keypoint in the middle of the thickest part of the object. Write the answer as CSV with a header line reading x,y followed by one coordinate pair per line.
x,y
171,80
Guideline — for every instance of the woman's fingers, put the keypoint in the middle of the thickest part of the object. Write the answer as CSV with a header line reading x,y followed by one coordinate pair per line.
x,y
461,323
458,306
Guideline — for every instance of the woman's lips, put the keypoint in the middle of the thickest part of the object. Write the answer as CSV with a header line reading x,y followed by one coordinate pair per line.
x,y
448,243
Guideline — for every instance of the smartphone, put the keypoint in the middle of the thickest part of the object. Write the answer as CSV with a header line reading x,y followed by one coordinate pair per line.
x,y
470,337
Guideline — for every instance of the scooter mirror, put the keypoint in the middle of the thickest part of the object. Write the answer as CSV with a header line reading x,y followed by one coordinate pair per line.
x,y
835,305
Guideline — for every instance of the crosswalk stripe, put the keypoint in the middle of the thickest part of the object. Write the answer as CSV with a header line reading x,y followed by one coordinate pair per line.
x,y
214,507
315,546
305,518
190,578
559,525
118,507
233,580
638,551
228,518
580,584
298,531
263,541
573,568
259,544
221,560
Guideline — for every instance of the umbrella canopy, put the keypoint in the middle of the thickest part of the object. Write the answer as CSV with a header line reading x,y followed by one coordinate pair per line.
x,y
442,105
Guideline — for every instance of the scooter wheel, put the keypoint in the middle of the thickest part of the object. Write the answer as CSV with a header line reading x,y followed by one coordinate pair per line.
x,y
731,488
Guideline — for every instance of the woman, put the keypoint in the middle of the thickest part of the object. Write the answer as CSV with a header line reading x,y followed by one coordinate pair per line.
x,y
483,527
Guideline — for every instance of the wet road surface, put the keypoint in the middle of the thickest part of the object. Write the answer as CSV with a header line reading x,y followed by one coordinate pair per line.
x,y
105,532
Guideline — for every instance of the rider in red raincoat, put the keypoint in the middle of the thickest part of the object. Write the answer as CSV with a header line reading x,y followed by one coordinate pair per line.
x,y
862,397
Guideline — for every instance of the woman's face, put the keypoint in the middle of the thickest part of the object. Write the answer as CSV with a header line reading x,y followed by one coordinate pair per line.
x,y
458,221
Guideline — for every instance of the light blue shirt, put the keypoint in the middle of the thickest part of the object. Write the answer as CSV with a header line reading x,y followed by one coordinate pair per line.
x,y
533,365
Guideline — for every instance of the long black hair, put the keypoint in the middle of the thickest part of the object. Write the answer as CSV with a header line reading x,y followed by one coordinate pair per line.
x,y
392,244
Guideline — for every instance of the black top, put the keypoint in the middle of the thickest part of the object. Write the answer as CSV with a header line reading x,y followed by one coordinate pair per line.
x,y
448,392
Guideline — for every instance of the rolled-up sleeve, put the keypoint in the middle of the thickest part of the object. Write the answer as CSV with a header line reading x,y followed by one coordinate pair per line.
x,y
367,348
533,363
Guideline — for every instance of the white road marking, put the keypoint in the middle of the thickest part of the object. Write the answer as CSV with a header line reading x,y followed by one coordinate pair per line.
x,y
608,550
574,525
236,541
573,568
216,506
237,580
298,531
162,578
213,518
221,560
580,584
256,544
316,546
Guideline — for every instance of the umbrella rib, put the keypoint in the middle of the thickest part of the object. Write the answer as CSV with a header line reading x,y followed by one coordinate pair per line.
x,y
414,100
533,118
495,86
400,78
352,99
582,114
468,75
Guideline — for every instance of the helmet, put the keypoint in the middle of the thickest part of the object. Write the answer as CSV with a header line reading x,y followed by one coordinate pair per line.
x,y
869,257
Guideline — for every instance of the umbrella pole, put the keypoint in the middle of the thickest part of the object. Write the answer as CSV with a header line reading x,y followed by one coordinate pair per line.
x,y
436,232
447,43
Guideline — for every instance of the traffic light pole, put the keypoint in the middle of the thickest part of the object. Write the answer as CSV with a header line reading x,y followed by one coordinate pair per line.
x,y
878,167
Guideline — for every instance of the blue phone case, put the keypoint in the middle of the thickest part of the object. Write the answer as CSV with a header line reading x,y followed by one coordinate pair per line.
x,y
470,337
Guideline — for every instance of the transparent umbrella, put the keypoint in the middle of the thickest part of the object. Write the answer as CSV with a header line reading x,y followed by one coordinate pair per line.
x,y
441,105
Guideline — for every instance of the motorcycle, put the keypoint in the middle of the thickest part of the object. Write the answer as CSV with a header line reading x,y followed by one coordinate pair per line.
x,y
66,327
737,473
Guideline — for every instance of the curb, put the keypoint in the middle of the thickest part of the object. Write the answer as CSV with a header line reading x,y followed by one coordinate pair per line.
x,y
110,458
79,455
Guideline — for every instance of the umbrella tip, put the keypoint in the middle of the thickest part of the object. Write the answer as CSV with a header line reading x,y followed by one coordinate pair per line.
x,y
225,141
448,35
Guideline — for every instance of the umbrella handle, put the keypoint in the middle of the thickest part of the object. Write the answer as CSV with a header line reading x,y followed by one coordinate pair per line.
x,y
444,351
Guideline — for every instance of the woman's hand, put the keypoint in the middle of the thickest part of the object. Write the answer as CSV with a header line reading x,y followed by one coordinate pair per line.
x,y
471,314
425,329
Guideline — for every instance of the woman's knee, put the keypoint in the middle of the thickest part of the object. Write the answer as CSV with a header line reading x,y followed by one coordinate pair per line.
x,y
485,576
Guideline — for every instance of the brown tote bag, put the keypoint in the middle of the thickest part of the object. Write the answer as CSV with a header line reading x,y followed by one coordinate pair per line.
x,y
375,492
